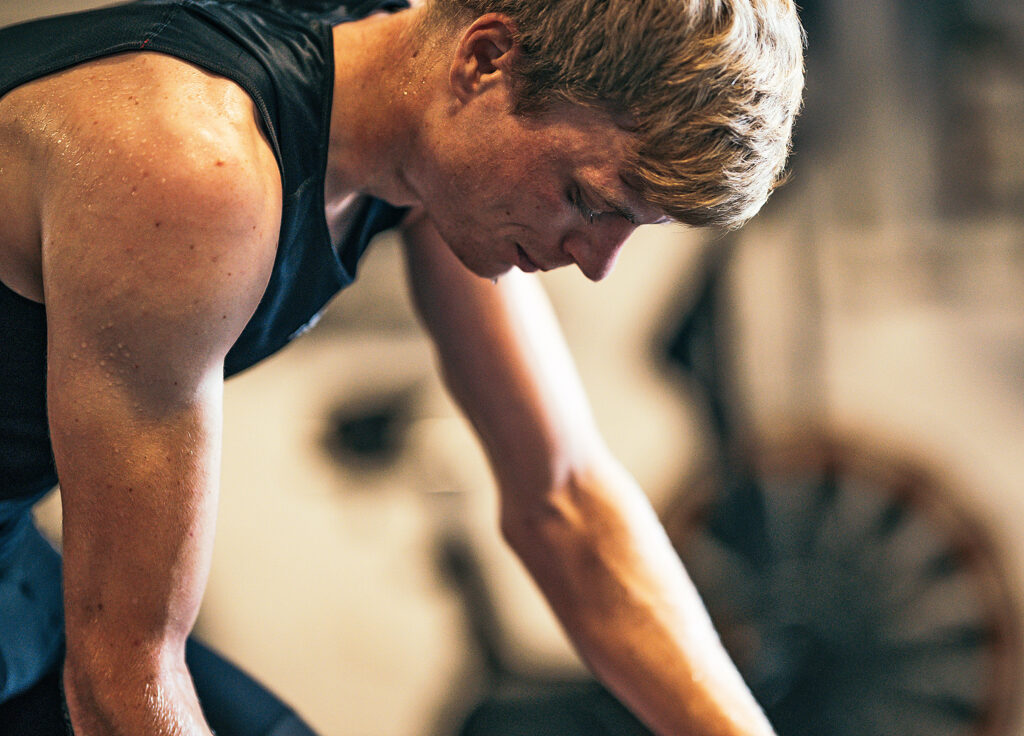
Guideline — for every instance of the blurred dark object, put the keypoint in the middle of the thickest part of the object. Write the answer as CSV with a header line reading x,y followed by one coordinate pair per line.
x,y
581,708
369,434
978,63
853,592
934,90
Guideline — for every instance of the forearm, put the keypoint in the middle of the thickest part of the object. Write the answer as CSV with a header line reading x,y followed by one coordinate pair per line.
x,y
138,530
601,558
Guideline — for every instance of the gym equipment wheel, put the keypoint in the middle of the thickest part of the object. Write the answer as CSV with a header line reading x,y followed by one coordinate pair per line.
x,y
855,594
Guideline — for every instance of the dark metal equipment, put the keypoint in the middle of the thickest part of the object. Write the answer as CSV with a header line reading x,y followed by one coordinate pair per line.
x,y
855,594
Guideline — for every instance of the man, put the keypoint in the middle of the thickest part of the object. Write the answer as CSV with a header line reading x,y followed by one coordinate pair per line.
x,y
185,184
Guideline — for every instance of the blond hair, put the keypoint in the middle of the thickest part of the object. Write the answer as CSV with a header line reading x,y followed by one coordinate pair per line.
x,y
711,86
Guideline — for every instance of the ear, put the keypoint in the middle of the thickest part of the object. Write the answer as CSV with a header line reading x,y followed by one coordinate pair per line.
x,y
483,56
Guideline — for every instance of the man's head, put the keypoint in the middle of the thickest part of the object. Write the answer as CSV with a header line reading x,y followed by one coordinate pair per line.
x,y
708,88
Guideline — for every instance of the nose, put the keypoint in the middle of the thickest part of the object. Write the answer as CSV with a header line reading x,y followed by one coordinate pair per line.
x,y
596,249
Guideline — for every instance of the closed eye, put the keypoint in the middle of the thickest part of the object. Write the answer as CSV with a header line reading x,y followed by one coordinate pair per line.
x,y
587,212
579,203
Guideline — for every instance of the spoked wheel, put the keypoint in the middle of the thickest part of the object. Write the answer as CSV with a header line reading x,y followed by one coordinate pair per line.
x,y
855,595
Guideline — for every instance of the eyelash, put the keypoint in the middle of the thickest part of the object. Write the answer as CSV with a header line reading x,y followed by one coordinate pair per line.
x,y
586,212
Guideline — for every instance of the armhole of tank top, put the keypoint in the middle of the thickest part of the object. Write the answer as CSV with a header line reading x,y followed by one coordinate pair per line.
x,y
266,122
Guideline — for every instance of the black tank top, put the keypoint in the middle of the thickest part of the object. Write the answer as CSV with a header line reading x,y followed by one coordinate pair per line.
x,y
284,60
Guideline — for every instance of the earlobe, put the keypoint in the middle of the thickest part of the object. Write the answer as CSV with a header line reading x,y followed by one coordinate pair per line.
x,y
483,55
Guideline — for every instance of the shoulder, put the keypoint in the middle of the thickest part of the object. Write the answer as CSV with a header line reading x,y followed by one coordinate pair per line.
x,y
159,190
159,125
144,142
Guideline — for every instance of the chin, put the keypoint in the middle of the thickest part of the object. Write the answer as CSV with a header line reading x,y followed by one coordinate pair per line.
x,y
470,257
491,273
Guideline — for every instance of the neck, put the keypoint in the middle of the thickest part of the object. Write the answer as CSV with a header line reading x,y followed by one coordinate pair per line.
x,y
379,90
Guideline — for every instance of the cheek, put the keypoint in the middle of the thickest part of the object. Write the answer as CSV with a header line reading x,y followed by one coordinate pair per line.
x,y
533,194
498,186
546,208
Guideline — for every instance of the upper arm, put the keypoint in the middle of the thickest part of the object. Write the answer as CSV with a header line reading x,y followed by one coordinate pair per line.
x,y
154,257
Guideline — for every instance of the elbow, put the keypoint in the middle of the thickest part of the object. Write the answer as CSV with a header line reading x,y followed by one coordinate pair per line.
x,y
523,531
102,659
538,525
539,538
587,509
563,509
111,683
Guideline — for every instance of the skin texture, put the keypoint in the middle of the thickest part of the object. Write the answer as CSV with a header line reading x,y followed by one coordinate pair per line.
x,y
146,207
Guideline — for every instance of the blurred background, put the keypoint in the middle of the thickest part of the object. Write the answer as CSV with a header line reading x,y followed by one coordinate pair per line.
x,y
827,407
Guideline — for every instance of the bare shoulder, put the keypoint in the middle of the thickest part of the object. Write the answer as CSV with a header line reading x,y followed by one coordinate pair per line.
x,y
159,206
145,141
160,126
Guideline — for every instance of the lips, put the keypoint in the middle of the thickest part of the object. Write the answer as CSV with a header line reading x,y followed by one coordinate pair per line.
x,y
523,261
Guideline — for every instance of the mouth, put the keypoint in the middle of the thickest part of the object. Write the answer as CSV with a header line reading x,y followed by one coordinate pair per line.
x,y
524,262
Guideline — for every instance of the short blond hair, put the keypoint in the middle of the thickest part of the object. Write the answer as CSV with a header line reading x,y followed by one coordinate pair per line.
x,y
711,86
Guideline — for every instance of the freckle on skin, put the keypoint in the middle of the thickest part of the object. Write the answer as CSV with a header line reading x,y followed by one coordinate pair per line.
x,y
219,162
157,223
